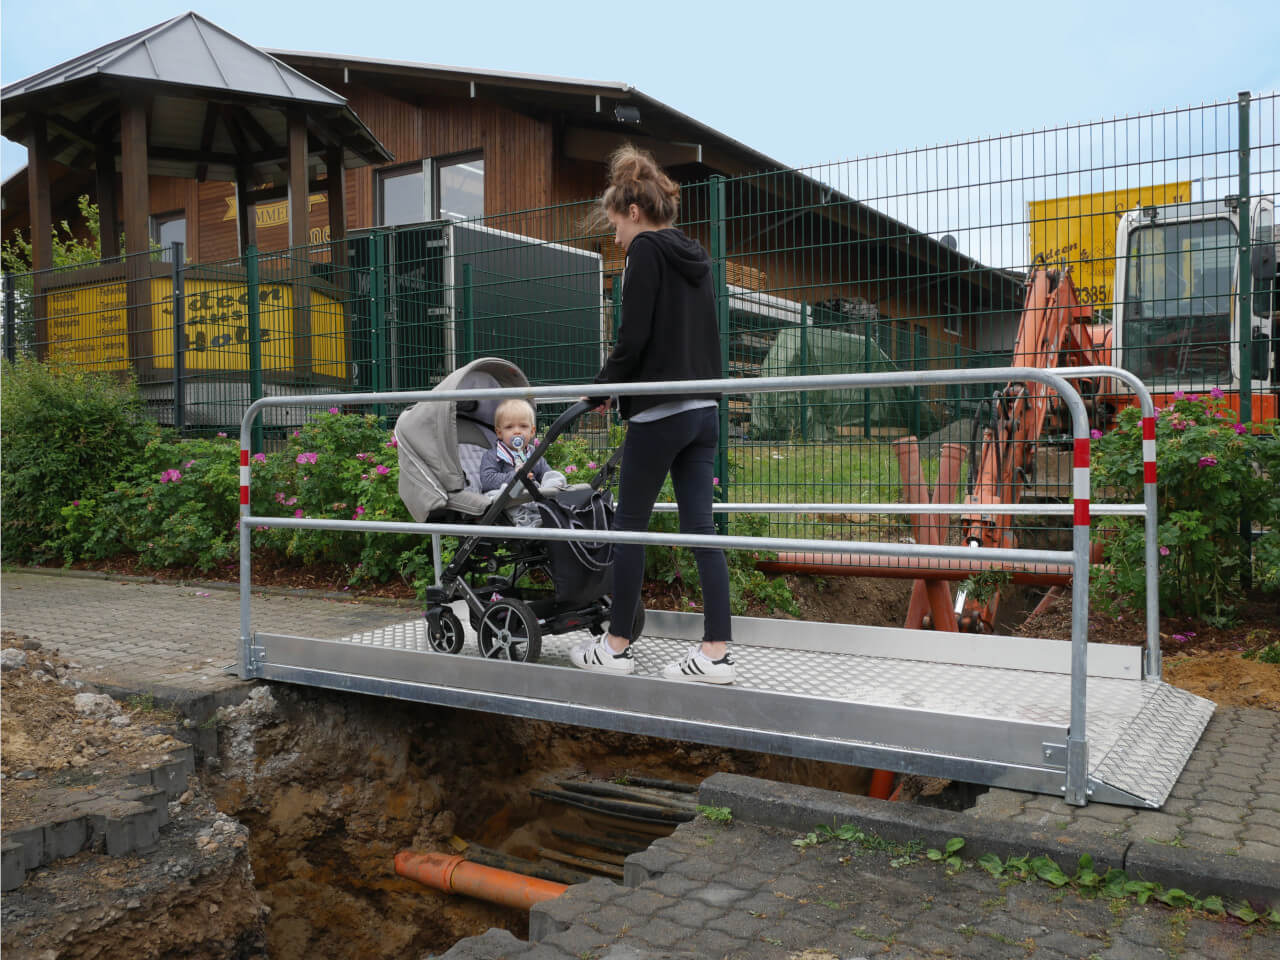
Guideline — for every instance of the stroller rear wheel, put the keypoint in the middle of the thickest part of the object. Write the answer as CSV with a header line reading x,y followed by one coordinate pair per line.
x,y
509,630
444,630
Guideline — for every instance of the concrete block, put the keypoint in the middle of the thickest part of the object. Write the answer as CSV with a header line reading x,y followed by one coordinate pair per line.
x,y
152,797
800,808
13,866
1205,874
170,777
65,838
138,830
31,840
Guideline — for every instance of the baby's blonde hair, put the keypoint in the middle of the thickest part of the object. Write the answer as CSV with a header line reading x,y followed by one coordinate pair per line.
x,y
509,407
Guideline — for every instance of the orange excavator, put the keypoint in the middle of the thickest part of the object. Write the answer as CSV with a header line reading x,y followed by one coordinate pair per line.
x,y
1056,331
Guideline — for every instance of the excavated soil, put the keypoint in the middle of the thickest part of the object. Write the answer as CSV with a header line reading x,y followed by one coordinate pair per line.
x,y
1208,661
332,786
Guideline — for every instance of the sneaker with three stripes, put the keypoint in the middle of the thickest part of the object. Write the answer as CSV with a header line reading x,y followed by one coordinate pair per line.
x,y
697,666
600,658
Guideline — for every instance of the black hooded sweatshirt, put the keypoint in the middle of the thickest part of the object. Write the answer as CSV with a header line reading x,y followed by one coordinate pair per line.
x,y
669,329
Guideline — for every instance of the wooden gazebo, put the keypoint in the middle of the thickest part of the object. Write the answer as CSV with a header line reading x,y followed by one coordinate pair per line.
x,y
182,99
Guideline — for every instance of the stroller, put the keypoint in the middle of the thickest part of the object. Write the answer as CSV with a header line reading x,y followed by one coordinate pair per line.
x,y
517,590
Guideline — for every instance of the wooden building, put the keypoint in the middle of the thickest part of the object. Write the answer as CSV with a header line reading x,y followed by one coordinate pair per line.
x,y
462,143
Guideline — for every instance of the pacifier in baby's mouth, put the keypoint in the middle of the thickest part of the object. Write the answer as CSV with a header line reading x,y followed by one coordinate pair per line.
x,y
517,442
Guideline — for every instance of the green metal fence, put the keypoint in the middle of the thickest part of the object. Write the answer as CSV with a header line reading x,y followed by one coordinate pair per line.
x,y
918,260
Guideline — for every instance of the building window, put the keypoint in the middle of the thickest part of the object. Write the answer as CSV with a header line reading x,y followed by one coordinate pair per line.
x,y
951,321
460,187
402,195
168,229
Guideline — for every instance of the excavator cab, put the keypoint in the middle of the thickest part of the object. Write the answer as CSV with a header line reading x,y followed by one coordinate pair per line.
x,y
1176,312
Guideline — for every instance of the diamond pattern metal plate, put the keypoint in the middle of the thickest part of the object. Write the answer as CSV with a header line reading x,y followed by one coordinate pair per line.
x,y
1140,733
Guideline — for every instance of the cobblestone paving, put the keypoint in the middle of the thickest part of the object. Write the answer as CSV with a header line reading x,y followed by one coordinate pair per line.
x,y
150,635
1225,803
745,891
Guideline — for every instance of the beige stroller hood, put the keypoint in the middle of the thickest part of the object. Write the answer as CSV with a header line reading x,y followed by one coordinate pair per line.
x,y
429,432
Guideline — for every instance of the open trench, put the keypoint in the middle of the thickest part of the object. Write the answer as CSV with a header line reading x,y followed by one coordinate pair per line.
x,y
332,785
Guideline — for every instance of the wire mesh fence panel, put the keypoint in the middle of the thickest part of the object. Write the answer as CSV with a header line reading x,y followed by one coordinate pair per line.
x,y
956,256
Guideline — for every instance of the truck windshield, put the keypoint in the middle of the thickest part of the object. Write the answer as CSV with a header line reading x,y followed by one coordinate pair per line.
x,y
1177,300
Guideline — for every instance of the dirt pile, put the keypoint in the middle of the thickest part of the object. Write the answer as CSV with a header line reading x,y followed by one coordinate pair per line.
x,y
66,750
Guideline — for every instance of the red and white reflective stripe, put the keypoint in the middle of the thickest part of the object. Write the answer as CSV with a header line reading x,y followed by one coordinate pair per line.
x,y
244,477
1148,449
1080,481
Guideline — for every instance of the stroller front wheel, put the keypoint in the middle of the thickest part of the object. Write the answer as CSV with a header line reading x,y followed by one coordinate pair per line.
x,y
509,630
444,630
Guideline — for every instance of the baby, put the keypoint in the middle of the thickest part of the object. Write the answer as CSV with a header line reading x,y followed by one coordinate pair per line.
x,y
515,424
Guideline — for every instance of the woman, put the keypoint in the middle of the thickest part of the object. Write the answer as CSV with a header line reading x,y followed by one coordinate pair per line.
x,y
668,332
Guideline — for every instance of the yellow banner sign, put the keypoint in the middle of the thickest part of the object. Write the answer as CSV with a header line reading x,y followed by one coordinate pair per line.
x,y
88,326
272,214
1080,232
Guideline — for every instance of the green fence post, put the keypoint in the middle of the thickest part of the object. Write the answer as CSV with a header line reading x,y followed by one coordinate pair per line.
x,y
915,391
804,369
719,277
377,326
255,340
866,368
468,319
1245,312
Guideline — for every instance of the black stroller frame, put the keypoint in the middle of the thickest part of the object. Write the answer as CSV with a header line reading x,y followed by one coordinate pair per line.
x,y
509,616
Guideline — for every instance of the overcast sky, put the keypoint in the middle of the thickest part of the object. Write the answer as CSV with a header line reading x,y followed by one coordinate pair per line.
x,y
803,82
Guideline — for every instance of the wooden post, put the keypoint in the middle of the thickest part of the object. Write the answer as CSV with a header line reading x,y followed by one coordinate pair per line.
x,y
337,196
41,225
137,236
299,258
108,215
298,219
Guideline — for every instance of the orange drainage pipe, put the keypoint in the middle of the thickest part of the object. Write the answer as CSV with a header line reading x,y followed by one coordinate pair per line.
x,y
453,873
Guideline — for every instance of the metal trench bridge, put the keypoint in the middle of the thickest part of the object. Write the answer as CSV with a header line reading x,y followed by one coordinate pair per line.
x,y
1087,722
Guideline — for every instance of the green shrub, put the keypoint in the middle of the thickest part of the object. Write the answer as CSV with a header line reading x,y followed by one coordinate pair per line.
x,y
68,435
1210,469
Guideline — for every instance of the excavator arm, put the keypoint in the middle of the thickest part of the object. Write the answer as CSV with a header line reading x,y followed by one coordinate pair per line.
x,y
1055,331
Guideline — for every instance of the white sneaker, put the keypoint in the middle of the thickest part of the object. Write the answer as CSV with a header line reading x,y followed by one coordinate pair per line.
x,y
697,666
600,657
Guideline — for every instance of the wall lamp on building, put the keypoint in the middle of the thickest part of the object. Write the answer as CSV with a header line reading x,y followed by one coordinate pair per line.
x,y
625,113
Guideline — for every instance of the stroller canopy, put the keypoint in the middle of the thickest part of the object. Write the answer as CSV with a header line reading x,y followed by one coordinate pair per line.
x,y
428,435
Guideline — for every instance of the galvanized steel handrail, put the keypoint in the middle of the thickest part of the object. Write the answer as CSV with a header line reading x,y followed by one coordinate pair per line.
x,y
1076,782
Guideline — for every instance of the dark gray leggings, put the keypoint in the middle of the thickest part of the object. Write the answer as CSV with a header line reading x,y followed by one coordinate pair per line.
x,y
684,445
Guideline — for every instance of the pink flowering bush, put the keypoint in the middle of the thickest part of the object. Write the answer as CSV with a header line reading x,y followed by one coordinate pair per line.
x,y
1211,469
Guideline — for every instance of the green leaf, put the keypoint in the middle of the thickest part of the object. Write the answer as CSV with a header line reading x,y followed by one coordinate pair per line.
x,y
991,863
1243,912
933,853
954,844
1049,871
1213,905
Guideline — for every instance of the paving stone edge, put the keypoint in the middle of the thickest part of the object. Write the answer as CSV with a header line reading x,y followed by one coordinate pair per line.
x,y
210,585
790,807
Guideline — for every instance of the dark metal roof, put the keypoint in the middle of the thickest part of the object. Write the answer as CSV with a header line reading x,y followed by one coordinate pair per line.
x,y
215,103
187,51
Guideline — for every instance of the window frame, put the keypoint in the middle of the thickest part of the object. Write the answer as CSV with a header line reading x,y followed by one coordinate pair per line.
x,y
421,167
452,160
